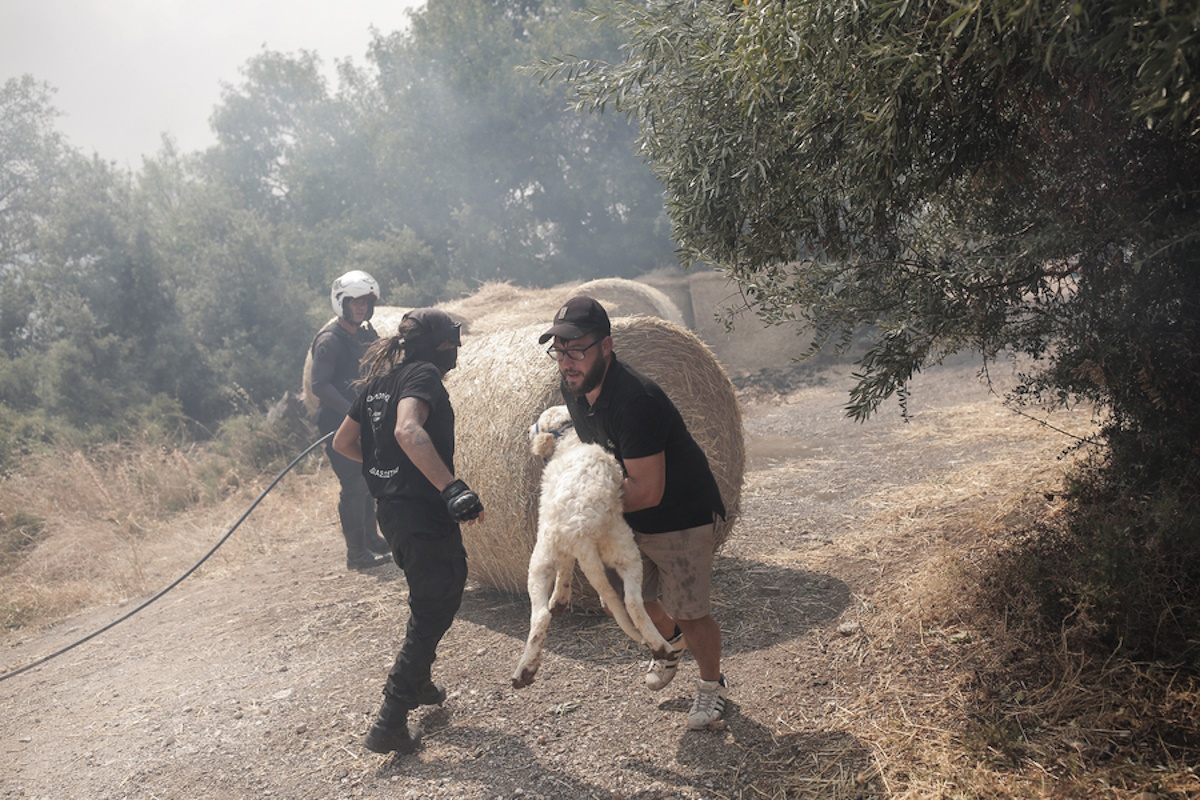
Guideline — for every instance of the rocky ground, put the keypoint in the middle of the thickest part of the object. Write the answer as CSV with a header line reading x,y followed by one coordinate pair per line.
x,y
260,680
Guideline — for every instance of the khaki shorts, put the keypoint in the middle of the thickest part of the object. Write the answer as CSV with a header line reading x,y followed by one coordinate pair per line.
x,y
677,570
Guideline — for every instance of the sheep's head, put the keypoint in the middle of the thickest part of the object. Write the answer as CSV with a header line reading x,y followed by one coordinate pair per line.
x,y
543,435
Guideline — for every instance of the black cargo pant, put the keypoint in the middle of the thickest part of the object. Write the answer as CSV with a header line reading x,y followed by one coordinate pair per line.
x,y
356,506
427,545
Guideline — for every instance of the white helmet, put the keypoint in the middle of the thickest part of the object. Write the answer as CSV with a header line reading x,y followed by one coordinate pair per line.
x,y
354,283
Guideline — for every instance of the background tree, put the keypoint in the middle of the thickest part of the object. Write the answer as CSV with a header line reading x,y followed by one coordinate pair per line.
x,y
33,159
288,150
442,141
534,194
440,163
239,300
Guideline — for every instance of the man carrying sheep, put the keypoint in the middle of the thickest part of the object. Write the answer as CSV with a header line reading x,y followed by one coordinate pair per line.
x,y
401,428
670,495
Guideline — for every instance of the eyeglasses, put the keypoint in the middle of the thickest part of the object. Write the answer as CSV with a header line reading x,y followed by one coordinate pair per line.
x,y
575,354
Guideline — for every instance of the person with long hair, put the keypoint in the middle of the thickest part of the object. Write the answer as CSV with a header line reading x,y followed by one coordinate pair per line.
x,y
401,427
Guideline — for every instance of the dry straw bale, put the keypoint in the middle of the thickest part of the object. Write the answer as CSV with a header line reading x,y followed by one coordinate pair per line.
x,y
386,319
499,306
625,298
306,393
504,381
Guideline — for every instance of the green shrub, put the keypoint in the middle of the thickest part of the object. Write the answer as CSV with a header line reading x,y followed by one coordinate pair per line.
x,y
23,433
258,443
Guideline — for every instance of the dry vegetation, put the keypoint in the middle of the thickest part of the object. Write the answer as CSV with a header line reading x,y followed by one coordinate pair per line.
x,y
874,643
121,528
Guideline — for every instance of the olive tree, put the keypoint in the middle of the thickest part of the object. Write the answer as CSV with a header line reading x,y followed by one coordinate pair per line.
x,y
1000,175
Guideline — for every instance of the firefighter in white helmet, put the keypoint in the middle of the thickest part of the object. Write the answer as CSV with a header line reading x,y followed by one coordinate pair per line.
x,y
337,352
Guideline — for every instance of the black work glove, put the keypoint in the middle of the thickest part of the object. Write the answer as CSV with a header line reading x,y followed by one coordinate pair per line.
x,y
462,503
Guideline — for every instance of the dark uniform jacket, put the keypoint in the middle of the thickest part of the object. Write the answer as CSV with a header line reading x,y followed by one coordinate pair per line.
x,y
336,358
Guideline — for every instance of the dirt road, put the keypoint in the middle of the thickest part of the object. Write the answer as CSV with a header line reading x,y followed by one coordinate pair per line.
x,y
260,681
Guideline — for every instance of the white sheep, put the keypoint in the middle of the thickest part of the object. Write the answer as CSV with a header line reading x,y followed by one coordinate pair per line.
x,y
579,519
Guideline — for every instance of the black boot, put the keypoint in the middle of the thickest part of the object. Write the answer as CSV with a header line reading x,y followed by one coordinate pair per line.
x,y
391,733
366,560
430,695
358,556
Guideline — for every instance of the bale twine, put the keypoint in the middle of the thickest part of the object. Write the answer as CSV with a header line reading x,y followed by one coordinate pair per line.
x,y
625,298
504,381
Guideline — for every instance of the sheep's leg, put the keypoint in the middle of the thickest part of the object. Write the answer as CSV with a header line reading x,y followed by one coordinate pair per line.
x,y
593,569
562,586
631,574
624,557
542,569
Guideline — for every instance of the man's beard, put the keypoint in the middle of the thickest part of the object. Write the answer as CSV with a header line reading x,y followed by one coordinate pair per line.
x,y
591,379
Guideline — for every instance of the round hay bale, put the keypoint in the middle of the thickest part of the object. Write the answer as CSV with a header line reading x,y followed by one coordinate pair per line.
x,y
504,381
306,393
386,319
626,298
499,306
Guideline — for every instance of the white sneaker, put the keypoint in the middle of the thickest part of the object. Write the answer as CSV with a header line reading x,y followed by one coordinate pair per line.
x,y
709,705
662,671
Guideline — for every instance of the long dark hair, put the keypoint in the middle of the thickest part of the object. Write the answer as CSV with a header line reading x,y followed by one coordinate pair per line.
x,y
384,355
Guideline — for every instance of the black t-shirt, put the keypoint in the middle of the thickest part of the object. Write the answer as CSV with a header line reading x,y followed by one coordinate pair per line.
x,y
634,418
388,471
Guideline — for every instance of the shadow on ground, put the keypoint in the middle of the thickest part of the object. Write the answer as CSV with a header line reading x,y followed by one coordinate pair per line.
x,y
764,604
828,765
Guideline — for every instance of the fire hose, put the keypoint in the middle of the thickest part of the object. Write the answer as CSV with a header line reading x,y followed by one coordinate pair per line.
x,y
182,577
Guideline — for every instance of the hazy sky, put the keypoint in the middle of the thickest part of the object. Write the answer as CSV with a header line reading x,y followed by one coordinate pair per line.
x,y
128,71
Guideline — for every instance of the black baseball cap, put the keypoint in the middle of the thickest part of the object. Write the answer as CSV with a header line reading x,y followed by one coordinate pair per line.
x,y
581,315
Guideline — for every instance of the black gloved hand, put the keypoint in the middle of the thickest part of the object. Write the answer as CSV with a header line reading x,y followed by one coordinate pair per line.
x,y
462,503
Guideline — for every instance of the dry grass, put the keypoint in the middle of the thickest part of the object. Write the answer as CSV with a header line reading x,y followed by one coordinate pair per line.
x,y
958,703
133,518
